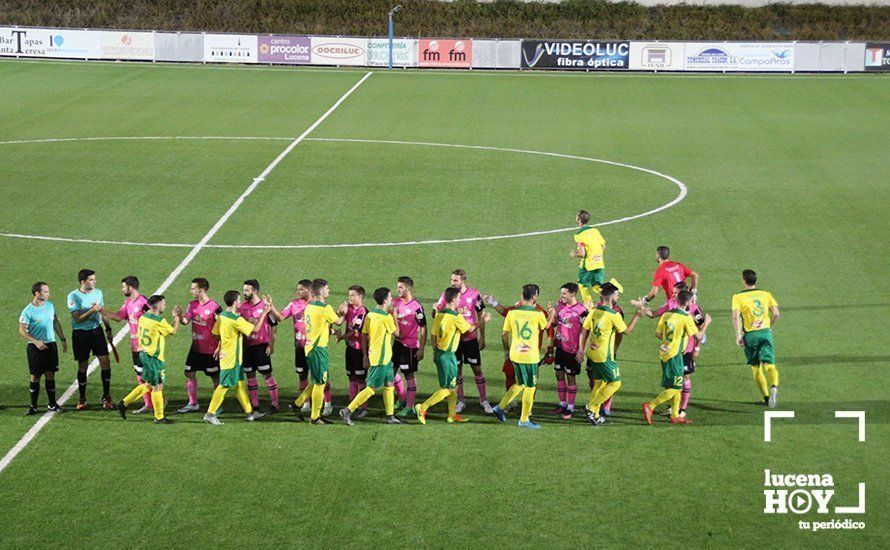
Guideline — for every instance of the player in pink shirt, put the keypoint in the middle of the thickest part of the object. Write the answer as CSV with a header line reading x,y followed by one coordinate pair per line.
x,y
469,350
134,306
295,309
570,315
354,320
259,346
408,346
201,313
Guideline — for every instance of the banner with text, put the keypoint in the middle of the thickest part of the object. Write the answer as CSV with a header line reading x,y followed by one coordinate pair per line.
x,y
440,52
339,51
656,56
404,52
285,49
877,56
128,45
739,56
230,48
27,42
577,55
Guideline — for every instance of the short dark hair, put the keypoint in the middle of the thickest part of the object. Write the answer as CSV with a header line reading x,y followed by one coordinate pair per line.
x,y
571,287
407,281
230,297
357,288
84,274
583,216
380,295
607,290
663,252
131,281
37,287
305,283
317,285
683,297
530,290
680,285
450,294
155,299
202,283
460,273
253,283
749,277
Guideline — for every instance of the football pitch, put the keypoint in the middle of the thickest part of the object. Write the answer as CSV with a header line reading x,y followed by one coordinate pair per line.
x,y
171,172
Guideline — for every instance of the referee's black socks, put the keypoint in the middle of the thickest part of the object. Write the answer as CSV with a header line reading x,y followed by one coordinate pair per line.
x,y
106,382
34,388
82,384
50,386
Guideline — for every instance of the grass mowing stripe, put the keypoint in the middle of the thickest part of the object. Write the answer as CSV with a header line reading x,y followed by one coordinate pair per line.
x,y
35,429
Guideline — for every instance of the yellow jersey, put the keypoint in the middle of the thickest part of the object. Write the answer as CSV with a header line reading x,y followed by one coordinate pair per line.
x,y
674,328
754,305
594,246
447,328
603,323
380,327
524,324
228,328
318,316
153,330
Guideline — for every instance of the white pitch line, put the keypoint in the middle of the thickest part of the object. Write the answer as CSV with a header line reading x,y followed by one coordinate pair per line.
x,y
680,185
138,138
43,420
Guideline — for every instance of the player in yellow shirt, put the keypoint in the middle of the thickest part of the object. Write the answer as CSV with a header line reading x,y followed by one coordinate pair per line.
x,y
522,346
153,331
230,328
675,327
590,247
448,325
378,332
754,313
597,344
319,317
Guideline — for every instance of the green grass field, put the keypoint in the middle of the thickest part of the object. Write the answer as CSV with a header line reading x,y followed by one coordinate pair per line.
x,y
785,175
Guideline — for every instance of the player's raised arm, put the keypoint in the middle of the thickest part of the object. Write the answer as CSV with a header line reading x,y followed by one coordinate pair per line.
x,y
499,307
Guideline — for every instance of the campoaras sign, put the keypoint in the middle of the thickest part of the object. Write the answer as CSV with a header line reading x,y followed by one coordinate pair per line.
x,y
444,53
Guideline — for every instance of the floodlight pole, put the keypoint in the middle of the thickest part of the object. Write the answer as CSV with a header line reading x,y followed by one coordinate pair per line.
x,y
391,12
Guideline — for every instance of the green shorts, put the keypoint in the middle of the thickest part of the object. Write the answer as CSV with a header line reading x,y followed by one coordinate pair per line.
x,y
446,366
672,372
318,362
591,278
759,347
229,378
152,369
378,376
607,371
526,374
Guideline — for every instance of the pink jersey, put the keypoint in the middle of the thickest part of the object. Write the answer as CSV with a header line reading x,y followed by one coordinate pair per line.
x,y
295,309
570,319
253,312
692,309
410,317
354,321
132,310
470,306
203,317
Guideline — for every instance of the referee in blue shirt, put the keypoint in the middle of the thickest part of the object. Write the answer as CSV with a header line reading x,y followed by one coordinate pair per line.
x,y
85,304
39,325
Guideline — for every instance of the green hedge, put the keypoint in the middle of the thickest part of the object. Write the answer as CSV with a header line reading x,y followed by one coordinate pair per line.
x,y
464,18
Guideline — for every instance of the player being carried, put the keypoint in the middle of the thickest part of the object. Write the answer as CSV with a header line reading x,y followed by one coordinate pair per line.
x,y
377,334
522,344
470,306
754,313
448,326
260,346
153,332
410,340
598,334
132,309
202,313
230,327
590,248
668,274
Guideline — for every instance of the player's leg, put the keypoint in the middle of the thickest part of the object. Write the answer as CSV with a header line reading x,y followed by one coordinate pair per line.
x,y
191,390
527,376
49,384
752,358
509,374
272,387
571,392
446,369
515,390
560,373
474,359
100,349
461,359
34,393
250,372
583,282
157,398
767,357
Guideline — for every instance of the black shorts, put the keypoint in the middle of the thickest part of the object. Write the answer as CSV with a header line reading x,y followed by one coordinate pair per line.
x,y
43,361
137,363
567,362
85,342
468,352
255,358
355,365
300,364
688,363
403,357
203,362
